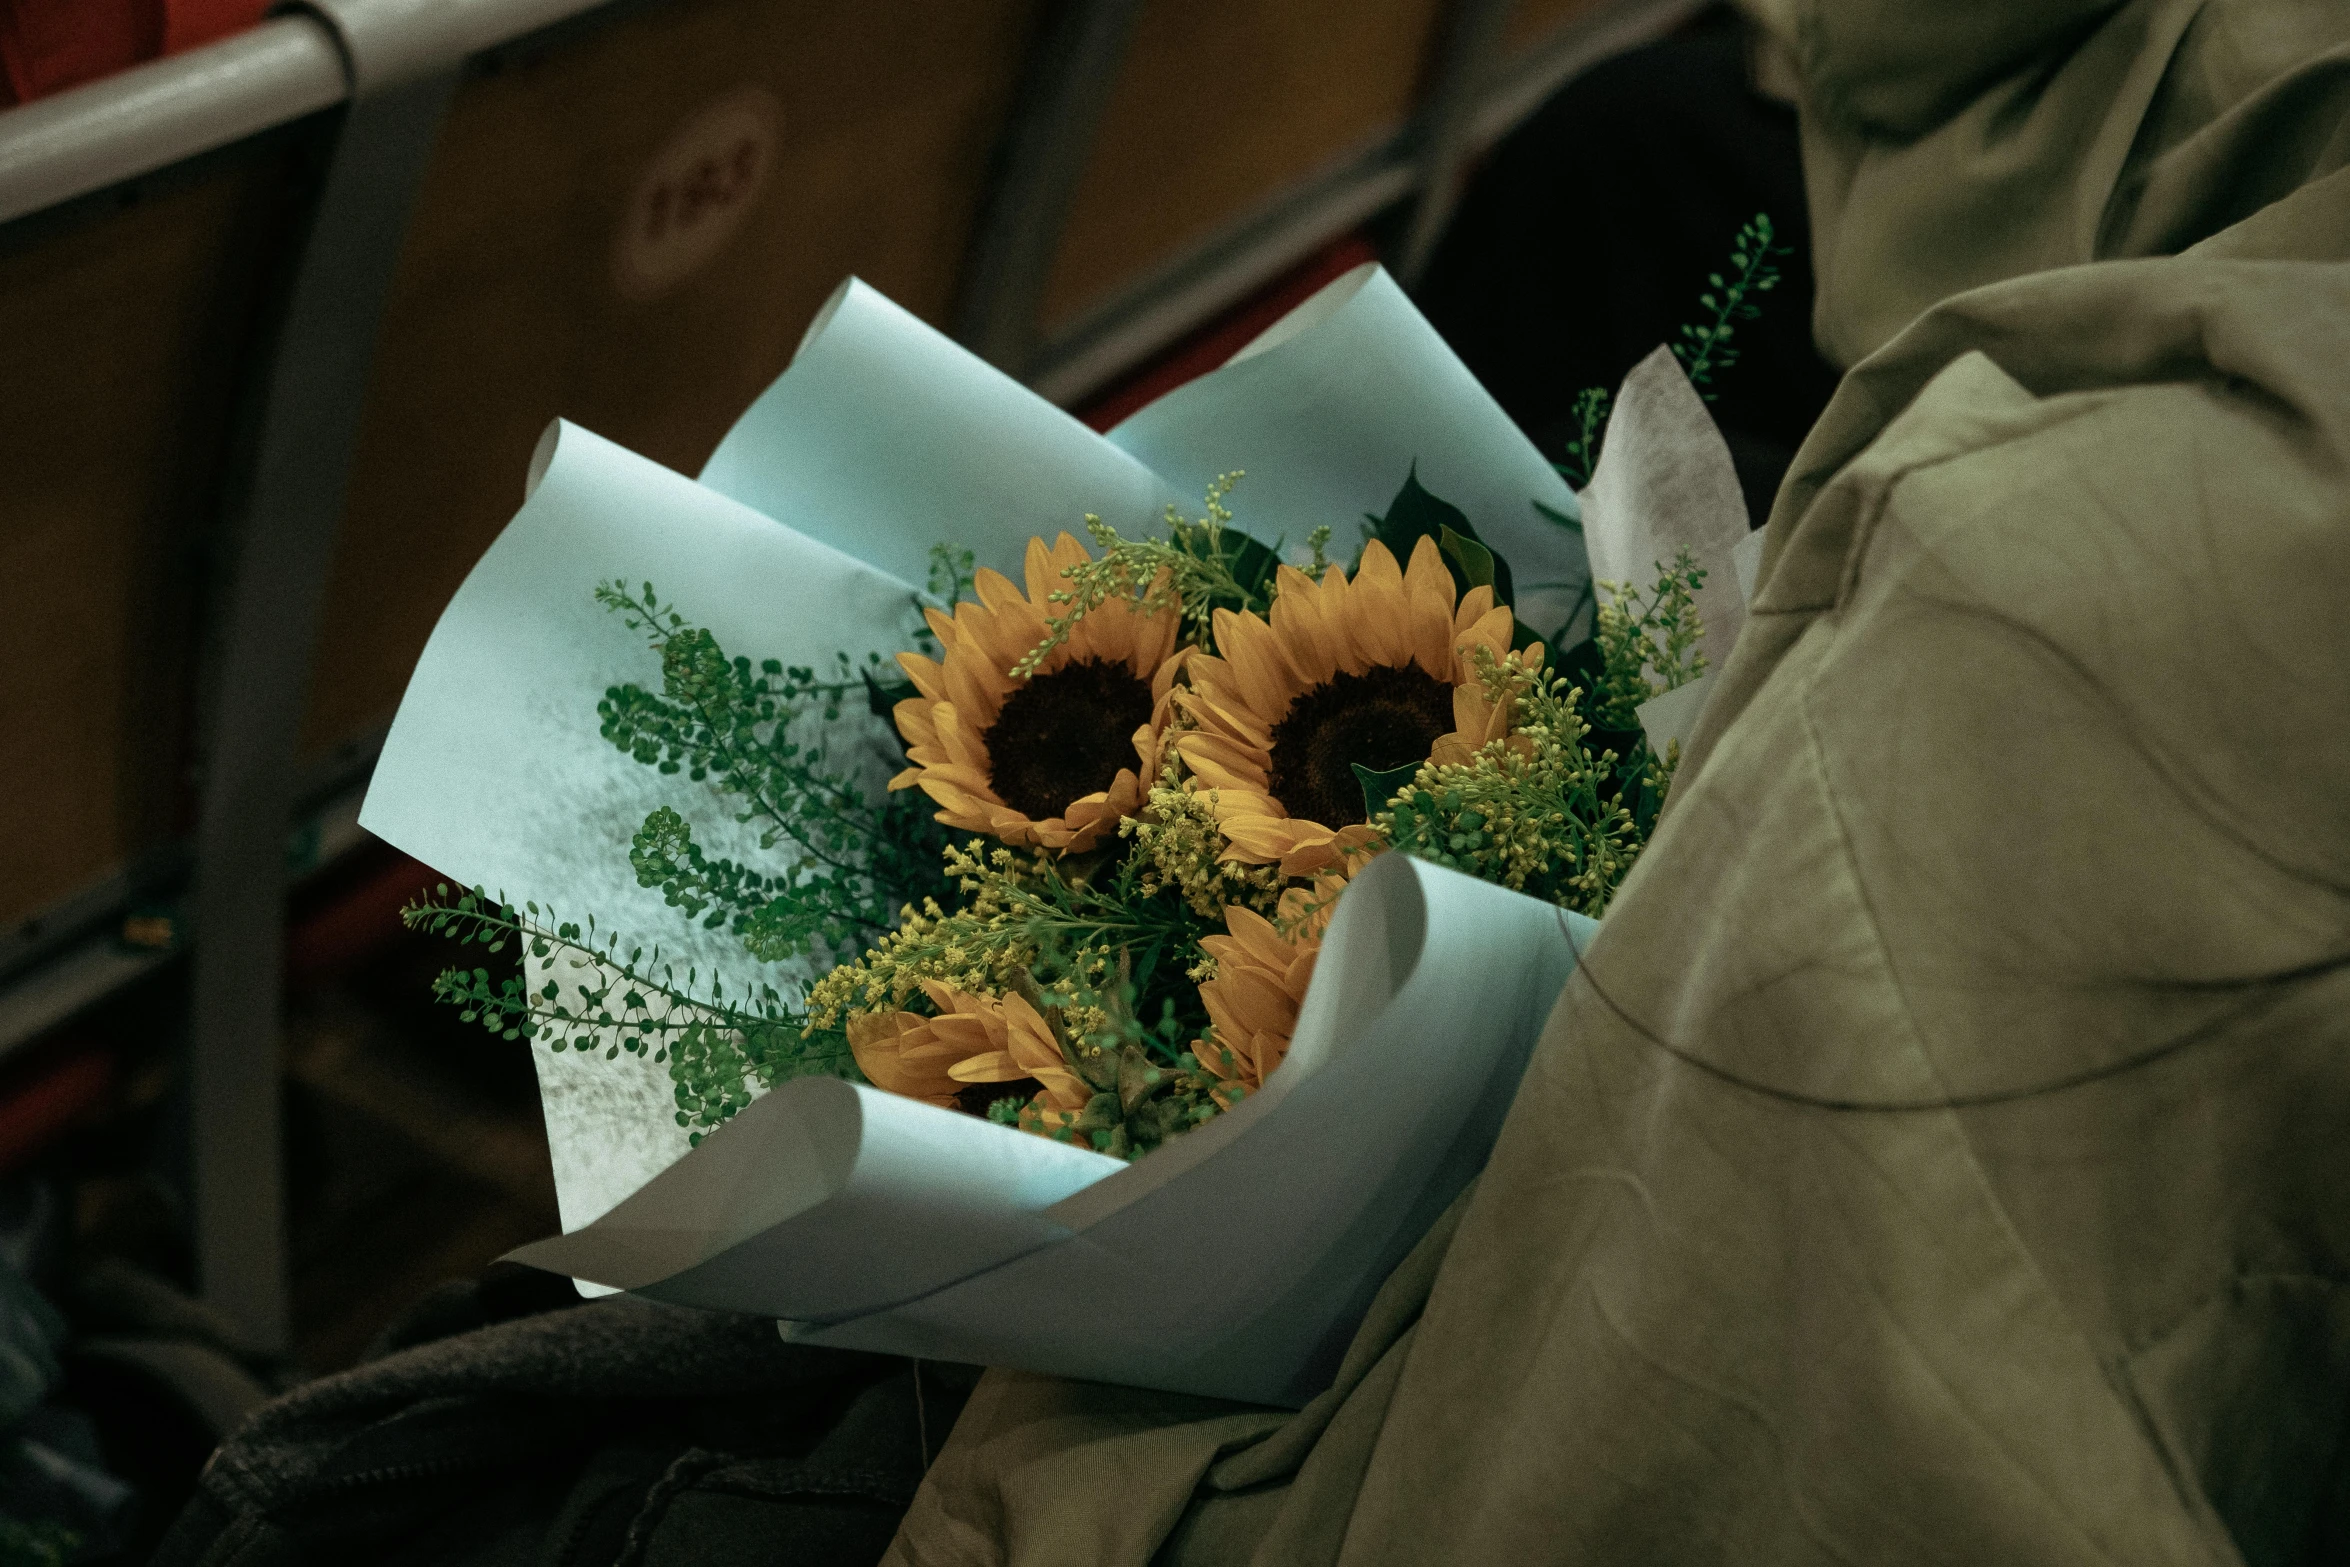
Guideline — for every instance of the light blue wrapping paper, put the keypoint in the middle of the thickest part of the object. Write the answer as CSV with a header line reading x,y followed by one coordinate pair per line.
x,y
908,1232
1331,407
884,438
495,774
801,539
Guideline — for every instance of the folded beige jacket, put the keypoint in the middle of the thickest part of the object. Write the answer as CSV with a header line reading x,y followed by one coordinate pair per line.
x,y
1943,1154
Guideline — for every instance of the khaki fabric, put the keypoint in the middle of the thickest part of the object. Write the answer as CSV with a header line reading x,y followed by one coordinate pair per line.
x,y
1952,145
1943,1154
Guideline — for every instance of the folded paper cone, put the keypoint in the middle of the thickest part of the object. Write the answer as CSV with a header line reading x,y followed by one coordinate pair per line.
x,y
1234,1262
829,1199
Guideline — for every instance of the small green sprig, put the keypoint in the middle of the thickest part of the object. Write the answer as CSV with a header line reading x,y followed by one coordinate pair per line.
x,y
849,863
1202,565
1704,347
1648,644
737,728
1016,913
1147,1086
1536,811
1582,455
1544,811
953,571
718,1041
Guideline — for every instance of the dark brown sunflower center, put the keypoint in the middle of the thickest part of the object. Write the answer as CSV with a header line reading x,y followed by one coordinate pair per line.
x,y
1065,734
1383,718
974,1098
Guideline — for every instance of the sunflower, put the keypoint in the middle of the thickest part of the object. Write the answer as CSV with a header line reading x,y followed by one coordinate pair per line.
x,y
1378,671
1259,983
1056,759
977,1050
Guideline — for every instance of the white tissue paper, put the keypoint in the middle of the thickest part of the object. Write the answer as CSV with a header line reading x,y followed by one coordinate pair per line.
x,y
1235,1260
1665,483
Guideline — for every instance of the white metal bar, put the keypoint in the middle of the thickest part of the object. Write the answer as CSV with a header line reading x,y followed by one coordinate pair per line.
x,y
157,114
392,41
154,115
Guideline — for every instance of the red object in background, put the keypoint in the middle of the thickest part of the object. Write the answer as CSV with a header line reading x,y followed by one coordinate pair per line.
x,y
356,916
47,46
1210,345
187,23
43,1100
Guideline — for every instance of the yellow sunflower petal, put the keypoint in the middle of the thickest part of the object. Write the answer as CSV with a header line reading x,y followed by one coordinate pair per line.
x,y
963,694
1428,595
996,1066
1317,646
1378,617
1261,676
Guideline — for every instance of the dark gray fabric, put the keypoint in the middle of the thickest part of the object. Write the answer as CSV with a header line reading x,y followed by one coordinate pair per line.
x,y
612,1432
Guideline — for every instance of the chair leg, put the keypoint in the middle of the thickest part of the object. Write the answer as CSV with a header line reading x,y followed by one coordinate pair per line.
x,y
311,397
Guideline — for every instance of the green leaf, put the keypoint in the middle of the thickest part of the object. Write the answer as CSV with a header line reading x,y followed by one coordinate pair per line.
x,y
1470,558
1416,514
1381,787
1252,564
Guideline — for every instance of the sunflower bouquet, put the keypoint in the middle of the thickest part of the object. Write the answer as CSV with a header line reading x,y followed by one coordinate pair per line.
x,y
1169,759
1262,859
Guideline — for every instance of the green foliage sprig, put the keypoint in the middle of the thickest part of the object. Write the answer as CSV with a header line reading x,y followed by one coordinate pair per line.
x,y
718,1040
1704,347
1202,564
850,863
1592,406
1545,811
1535,811
1647,642
953,569
1079,919
1147,1086
738,728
